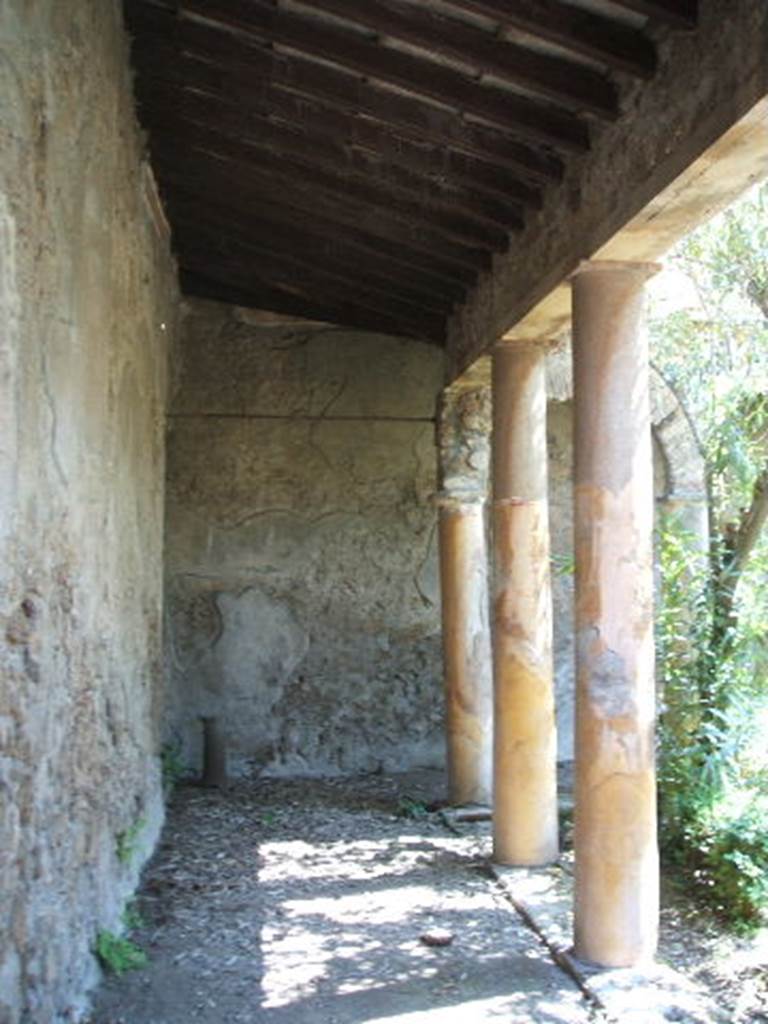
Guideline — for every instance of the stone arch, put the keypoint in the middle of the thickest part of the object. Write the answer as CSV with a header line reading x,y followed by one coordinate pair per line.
x,y
672,428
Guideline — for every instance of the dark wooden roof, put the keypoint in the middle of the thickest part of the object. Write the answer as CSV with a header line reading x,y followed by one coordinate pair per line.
x,y
360,161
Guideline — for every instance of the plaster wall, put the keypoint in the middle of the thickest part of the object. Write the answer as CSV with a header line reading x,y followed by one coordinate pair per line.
x,y
301,562
86,283
301,570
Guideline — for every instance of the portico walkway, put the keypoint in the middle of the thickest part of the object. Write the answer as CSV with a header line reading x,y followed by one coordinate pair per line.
x,y
298,901
306,901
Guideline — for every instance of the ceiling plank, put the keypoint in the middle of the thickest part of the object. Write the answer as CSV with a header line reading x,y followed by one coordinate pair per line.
x,y
291,124
466,217
259,187
557,79
271,267
255,67
231,193
206,285
409,214
592,35
541,123
342,257
681,14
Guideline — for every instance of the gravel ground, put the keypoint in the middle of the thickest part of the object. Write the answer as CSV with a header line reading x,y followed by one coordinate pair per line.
x,y
297,901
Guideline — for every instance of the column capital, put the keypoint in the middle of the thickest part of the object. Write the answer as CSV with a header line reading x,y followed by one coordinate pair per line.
x,y
641,269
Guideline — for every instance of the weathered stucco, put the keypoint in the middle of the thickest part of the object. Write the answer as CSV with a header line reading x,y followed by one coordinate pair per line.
x,y
301,549
86,284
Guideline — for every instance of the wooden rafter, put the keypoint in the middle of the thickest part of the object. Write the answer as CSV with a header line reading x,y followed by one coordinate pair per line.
x,y
553,77
681,14
251,67
347,259
579,31
361,162
199,241
329,186
261,186
542,123
225,189
210,283
173,108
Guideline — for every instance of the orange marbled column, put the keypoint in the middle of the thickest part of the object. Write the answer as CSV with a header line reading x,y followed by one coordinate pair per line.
x,y
617,881
525,744
466,650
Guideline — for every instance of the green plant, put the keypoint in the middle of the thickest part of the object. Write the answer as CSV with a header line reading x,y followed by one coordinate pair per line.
x,y
563,564
131,917
171,765
117,954
410,808
128,841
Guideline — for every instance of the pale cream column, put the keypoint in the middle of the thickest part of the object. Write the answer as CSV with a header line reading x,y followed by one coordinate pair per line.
x,y
616,909
466,649
525,742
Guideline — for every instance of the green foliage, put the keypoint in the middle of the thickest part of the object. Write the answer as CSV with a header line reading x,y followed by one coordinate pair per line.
x,y
713,811
410,808
713,621
128,841
171,766
131,917
563,564
117,954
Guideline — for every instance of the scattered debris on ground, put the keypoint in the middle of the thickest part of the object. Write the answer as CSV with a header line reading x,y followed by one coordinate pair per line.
x,y
356,901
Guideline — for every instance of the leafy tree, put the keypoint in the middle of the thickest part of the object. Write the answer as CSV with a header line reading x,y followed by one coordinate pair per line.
x,y
713,348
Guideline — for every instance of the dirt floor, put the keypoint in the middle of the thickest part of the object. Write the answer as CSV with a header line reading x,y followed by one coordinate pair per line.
x,y
321,901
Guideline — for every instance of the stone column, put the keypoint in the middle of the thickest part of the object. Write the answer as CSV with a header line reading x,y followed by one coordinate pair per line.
x,y
466,650
616,907
525,742
463,437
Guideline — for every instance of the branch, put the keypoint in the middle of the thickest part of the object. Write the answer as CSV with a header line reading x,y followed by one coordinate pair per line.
x,y
758,295
750,527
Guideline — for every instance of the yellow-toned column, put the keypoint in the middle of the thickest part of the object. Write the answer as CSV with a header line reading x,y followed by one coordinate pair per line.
x,y
463,438
466,650
616,909
525,744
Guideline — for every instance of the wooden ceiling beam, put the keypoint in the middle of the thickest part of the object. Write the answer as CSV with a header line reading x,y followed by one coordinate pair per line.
x,y
224,188
263,183
287,123
271,267
682,14
541,123
468,236
255,68
341,257
613,44
221,286
563,81
462,215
